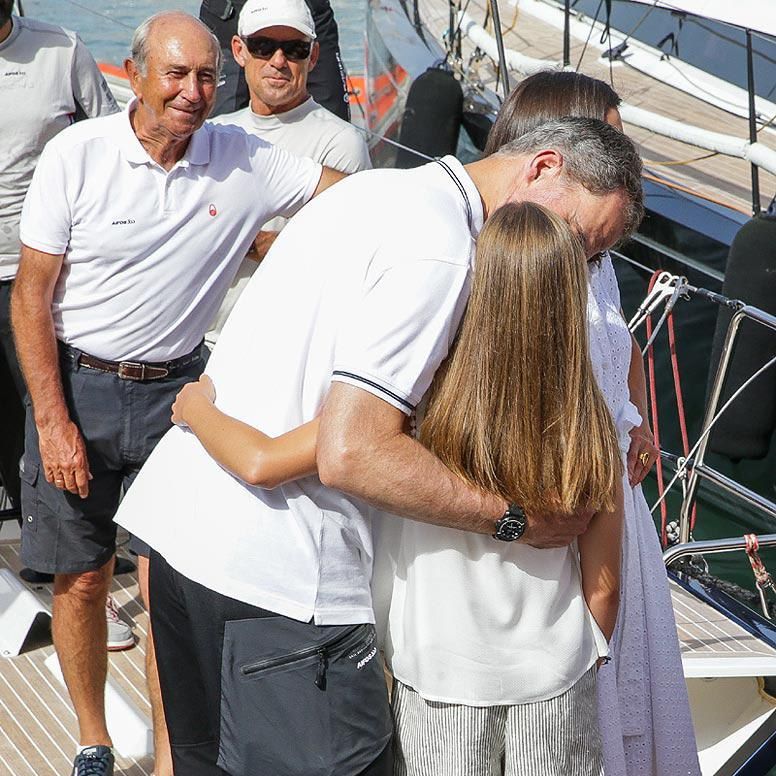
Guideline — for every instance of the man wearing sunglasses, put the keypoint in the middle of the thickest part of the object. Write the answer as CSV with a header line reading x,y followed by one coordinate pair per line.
x,y
327,85
277,48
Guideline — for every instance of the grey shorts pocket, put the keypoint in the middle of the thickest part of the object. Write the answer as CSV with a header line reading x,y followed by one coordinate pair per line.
x,y
301,700
29,472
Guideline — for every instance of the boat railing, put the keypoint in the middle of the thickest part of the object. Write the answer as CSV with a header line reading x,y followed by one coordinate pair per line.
x,y
741,313
709,474
692,468
670,253
713,547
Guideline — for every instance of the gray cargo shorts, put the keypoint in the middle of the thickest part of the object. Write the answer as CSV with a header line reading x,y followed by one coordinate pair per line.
x,y
248,692
121,422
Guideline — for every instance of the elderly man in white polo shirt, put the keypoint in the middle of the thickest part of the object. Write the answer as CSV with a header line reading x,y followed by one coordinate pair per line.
x,y
132,229
267,652
277,49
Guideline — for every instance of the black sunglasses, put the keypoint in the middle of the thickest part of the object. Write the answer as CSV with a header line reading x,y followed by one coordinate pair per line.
x,y
265,48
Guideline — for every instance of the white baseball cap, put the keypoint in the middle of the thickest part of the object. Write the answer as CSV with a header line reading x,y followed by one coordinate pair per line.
x,y
257,15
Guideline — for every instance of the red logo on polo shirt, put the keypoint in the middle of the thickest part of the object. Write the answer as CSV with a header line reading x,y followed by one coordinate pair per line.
x,y
212,210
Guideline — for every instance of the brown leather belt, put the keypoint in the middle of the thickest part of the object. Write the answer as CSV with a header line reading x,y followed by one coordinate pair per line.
x,y
139,370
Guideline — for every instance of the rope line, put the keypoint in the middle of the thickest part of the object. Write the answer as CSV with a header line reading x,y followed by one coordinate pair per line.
x,y
762,578
680,187
679,162
100,14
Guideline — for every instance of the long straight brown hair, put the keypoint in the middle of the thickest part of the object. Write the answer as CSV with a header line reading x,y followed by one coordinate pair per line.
x,y
548,95
515,408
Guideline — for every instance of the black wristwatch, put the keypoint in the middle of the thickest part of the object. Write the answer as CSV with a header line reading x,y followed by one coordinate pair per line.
x,y
511,526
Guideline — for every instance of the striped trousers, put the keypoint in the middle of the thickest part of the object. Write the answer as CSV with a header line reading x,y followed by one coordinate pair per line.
x,y
556,737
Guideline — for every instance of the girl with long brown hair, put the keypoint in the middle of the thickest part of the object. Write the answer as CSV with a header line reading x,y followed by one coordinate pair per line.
x,y
493,648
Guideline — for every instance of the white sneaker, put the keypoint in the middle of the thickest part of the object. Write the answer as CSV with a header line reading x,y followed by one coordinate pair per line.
x,y
120,635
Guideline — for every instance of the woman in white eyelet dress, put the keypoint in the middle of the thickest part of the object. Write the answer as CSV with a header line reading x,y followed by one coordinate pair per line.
x,y
644,716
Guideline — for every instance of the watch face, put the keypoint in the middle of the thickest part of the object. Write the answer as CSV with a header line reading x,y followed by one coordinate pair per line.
x,y
510,528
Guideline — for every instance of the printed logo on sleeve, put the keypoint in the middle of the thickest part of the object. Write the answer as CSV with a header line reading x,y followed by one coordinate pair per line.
x,y
123,221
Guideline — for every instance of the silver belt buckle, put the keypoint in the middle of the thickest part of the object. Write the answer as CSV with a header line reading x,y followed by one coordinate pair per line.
x,y
124,375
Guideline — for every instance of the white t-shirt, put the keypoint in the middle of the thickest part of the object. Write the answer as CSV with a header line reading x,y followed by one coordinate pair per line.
x,y
307,130
45,74
378,310
149,254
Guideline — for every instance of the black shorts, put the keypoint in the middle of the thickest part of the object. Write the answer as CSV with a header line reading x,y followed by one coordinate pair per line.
x,y
121,422
248,692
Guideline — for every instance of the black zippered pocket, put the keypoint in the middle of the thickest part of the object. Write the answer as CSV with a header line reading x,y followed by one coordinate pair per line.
x,y
300,699
342,641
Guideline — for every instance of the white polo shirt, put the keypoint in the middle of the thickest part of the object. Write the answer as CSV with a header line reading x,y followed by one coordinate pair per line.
x,y
149,254
46,74
367,286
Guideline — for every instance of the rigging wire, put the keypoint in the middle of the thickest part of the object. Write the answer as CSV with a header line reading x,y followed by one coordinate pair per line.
x,y
457,32
637,264
514,20
589,35
100,14
683,462
638,24
697,86
729,39
394,143
352,90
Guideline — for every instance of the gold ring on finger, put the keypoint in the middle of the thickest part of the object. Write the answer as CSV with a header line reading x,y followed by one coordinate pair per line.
x,y
644,458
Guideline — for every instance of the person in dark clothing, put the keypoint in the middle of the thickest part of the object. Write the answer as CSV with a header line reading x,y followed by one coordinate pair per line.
x,y
326,83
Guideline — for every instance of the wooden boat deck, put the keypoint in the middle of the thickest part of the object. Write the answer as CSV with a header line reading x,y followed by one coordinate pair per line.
x,y
713,645
38,727
718,177
38,731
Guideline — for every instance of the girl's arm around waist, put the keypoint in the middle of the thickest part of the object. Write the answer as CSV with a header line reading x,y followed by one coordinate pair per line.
x,y
249,454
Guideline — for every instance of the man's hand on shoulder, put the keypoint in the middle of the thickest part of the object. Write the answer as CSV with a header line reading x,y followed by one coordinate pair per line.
x,y
551,529
261,244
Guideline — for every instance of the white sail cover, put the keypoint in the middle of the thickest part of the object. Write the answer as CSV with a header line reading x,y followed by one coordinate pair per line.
x,y
755,15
